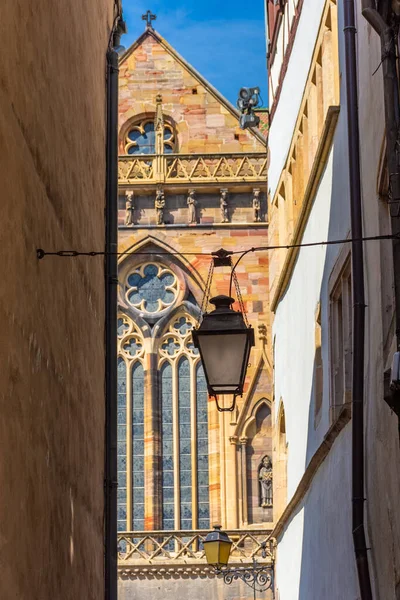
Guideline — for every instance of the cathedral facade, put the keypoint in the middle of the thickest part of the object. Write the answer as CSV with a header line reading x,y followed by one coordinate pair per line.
x,y
190,183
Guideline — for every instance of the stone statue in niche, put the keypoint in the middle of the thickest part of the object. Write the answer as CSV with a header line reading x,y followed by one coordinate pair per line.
x,y
265,479
223,204
159,205
129,208
256,206
192,203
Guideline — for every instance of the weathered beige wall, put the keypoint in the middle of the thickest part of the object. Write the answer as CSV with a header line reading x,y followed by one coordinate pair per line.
x,y
52,182
187,585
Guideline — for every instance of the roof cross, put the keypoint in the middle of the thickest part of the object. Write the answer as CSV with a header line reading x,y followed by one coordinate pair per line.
x,y
149,17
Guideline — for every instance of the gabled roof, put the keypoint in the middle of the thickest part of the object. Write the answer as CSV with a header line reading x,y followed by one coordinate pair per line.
x,y
150,32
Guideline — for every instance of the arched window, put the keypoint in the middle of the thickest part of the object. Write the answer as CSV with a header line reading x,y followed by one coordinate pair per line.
x,y
130,419
121,455
167,447
138,447
179,417
202,449
184,416
141,138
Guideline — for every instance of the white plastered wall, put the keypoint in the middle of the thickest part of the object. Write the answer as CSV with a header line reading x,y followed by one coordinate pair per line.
x,y
281,130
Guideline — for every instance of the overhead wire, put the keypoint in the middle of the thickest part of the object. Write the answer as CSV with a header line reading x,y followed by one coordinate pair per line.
x,y
40,253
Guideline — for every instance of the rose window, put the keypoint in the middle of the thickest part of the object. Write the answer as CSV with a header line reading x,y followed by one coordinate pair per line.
x,y
151,288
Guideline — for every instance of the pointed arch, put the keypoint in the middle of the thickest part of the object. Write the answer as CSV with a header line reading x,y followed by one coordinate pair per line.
x,y
144,124
160,250
258,432
175,397
280,463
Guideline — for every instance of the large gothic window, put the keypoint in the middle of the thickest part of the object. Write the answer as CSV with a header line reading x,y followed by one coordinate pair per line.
x,y
141,138
175,402
184,430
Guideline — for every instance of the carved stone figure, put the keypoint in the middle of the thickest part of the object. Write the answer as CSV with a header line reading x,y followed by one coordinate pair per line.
x,y
192,203
159,205
265,479
129,208
256,206
223,204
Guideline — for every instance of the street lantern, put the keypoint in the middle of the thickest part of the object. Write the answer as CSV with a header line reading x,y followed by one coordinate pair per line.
x,y
260,577
217,547
224,342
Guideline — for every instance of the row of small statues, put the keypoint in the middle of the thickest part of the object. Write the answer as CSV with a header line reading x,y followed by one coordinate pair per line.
x,y
159,205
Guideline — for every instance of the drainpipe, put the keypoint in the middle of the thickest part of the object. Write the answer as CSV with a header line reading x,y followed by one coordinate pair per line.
x,y
359,541
111,282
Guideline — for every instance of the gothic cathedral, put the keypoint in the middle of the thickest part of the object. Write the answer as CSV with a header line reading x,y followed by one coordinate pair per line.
x,y
190,182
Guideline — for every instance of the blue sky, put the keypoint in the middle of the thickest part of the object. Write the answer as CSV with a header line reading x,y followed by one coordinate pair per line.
x,y
224,40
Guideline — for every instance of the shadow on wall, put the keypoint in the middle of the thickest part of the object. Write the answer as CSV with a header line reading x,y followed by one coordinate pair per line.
x,y
327,568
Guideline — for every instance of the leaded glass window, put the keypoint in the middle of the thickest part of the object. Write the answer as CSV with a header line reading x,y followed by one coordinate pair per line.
x,y
185,443
184,400
121,449
130,440
141,138
202,449
138,447
180,417
167,447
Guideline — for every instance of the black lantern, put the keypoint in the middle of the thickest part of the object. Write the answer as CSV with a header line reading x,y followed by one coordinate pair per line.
x,y
224,342
217,547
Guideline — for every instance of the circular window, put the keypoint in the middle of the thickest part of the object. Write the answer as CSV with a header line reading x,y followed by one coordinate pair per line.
x,y
151,288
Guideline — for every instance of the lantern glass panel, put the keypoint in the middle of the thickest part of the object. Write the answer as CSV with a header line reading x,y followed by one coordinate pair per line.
x,y
224,551
212,552
223,356
217,552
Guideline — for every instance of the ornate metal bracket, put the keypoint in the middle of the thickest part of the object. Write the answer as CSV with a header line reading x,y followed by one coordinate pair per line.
x,y
259,577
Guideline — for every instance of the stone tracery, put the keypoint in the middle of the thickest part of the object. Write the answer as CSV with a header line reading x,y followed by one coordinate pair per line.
x,y
151,288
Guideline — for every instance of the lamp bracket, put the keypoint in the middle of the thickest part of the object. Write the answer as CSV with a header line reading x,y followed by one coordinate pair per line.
x,y
259,577
222,258
230,408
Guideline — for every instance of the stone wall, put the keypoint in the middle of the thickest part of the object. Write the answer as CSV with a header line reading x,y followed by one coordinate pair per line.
x,y
203,122
252,272
52,179
187,586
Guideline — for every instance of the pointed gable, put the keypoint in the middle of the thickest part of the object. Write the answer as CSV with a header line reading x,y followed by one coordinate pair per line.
x,y
205,121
